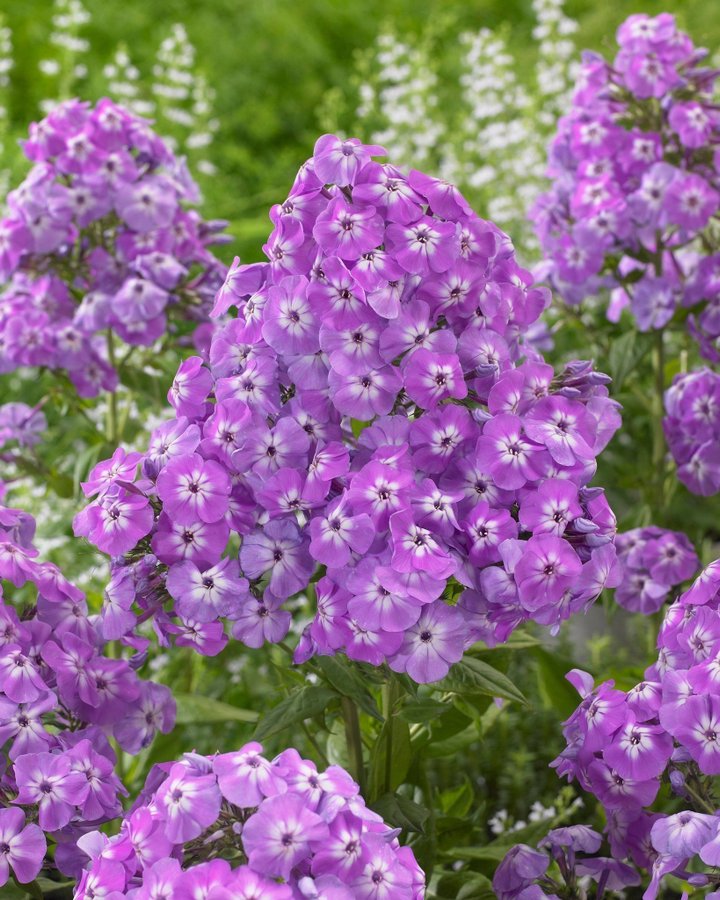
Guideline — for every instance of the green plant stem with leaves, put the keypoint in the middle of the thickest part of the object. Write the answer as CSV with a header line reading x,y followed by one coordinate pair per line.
x,y
353,736
659,448
111,431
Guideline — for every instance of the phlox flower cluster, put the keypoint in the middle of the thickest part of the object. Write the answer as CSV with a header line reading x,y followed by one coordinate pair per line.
x,y
98,240
692,429
241,826
654,561
61,699
373,428
620,745
634,165
523,873
21,424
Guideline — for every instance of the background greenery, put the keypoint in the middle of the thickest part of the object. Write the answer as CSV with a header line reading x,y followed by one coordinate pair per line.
x,y
273,62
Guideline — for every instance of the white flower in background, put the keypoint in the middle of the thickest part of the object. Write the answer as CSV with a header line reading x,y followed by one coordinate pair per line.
x,y
175,94
122,80
183,98
61,67
488,134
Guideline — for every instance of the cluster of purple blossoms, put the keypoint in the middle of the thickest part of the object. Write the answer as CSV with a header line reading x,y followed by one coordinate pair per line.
x,y
692,429
636,183
98,237
240,826
21,424
523,874
375,430
621,744
61,700
654,561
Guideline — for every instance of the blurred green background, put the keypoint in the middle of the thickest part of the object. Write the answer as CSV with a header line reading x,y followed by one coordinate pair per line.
x,y
273,62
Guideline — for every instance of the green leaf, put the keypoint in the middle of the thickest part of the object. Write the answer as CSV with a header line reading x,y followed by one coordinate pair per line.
x,y
555,690
465,885
622,358
346,681
453,745
401,812
192,708
384,776
474,676
303,704
423,710
458,800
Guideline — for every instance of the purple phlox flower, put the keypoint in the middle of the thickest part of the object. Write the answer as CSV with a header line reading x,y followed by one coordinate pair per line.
x,y
432,377
552,508
683,834
548,566
205,595
505,453
281,833
639,751
23,723
290,325
564,427
194,489
347,230
189,802
153,712
374,603
416,548
520,867
190,388
432,644
486,529
261,619
382,876
338,161
696,725
48,780
278,549
121,466
364,395
336,534
22,847
246,778
424,246
380,490
117,521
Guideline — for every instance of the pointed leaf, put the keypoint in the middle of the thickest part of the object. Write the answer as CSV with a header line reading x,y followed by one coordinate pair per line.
x,y
303,704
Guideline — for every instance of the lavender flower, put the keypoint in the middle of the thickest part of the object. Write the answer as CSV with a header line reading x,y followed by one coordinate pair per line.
x,y
654,561
62,699
692,428
373,410
635,183
289,830
98,237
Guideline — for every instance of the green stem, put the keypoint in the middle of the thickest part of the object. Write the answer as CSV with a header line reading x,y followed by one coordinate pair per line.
x,y
659,449
111,430
318,749
354,741
389,698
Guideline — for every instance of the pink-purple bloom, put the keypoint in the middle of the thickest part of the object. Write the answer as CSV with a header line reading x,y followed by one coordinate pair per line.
x,y
373,411
635,183
63,699
288,829
100,236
